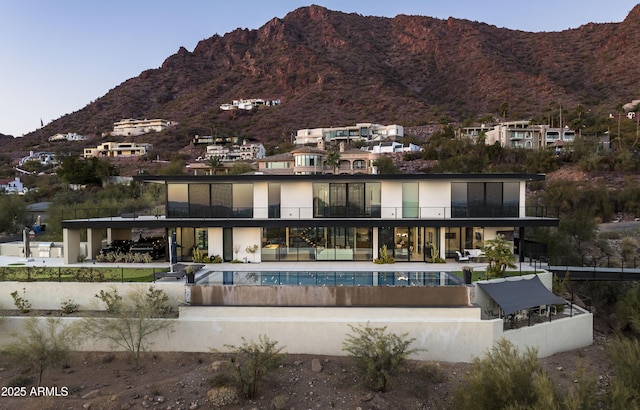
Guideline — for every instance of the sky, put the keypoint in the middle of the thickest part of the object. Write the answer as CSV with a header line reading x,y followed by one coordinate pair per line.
x,y
57,56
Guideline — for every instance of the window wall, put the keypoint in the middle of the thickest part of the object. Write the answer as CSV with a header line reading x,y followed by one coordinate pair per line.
x,y
221,200
346,200
317,243
485,199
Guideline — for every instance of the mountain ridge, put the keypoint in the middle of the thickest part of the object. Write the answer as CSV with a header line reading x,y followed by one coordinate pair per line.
x,y
331,68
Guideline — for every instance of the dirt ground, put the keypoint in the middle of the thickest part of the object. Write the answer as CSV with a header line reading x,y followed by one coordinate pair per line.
x,y
105,380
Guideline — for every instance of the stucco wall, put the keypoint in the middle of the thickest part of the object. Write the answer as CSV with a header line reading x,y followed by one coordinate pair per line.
x,y
447,334
49,295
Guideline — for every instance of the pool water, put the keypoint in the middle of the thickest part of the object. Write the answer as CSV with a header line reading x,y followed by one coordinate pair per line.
x,y
330,278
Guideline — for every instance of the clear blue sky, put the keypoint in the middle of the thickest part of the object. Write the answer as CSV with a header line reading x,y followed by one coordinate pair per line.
x,y
59,55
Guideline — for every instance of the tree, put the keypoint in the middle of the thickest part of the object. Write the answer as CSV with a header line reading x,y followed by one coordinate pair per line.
x,y
240,168
379,355
14,213
80,171
504,109
499,256
332,160
42,346
215,163
133,323
385,165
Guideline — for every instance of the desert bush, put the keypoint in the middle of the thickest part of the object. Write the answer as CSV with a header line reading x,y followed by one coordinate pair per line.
x,y
88,275
627,308
21,302
42,346
431,372
68,306
253,361
280,402
222,396
505,378
133,323
379,355
625,355
112,300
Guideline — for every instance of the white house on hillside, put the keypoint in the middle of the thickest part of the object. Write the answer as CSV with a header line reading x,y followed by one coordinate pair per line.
x,y
360,132
131,127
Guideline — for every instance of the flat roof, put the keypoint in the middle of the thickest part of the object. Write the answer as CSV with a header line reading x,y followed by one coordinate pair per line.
x,y
257,176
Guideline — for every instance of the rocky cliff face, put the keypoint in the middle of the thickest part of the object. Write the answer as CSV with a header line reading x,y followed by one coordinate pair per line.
x,y
332,68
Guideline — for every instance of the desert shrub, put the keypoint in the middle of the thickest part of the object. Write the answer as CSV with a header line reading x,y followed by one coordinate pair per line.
x,y
253,361
132,324
222,396
88,275
42,346
627,308
431,372
20,381
68,306
21,302
280,402
112,300
625,355
379,355
505,378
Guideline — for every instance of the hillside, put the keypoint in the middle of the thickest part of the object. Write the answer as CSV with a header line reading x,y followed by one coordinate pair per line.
x,y
330,68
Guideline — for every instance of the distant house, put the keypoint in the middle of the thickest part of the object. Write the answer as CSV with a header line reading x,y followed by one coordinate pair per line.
x,y
131,127
389,147
44,158
118,149
249,104
520,134
67,137
246,152
366,132
313,161
12,186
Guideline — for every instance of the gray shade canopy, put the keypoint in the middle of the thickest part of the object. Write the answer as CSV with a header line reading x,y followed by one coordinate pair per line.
x,y
515,295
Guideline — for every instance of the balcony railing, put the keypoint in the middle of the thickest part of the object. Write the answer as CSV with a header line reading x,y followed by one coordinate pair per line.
x,y
304,213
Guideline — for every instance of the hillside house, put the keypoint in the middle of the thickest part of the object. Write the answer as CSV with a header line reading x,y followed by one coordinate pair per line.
x,y
366,132
118,149
131,127
327,217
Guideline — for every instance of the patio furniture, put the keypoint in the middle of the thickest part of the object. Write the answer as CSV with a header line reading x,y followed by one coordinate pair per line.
x,y
461,258
475,255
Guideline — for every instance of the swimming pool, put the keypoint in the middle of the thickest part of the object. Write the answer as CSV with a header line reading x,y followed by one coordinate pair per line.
x,y
330,278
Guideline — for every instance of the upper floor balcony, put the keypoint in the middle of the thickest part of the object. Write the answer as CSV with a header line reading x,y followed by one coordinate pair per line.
x,y
311,213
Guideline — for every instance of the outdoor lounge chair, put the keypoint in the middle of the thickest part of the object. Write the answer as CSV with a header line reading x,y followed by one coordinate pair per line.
x,y
461,258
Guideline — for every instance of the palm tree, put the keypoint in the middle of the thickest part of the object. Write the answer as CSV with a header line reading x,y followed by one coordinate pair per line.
x,y
215,163
332,160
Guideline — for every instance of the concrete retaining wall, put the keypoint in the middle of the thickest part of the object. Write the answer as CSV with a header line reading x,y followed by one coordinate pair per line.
x,y
49,295
445,334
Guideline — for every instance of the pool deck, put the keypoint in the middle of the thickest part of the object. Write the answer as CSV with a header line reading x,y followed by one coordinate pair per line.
x,y
324,266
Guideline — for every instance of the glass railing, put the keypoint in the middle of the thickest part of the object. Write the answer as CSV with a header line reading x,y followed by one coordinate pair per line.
x,y
304,213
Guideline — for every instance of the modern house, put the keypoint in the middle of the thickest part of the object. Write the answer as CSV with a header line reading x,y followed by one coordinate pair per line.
x,y
366,132
317,218
71,136
117,149
249,104
521,134
131,127
13,186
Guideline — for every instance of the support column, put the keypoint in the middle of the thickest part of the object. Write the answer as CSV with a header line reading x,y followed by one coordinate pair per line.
x,y
71,245
521,244
94,242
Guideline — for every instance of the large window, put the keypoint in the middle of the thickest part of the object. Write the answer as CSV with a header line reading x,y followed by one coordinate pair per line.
x,y
346,200
485,199
210,200
274,200
177,200
410,200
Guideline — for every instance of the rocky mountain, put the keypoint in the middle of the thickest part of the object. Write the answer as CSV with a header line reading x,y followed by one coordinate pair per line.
x,y
331,68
